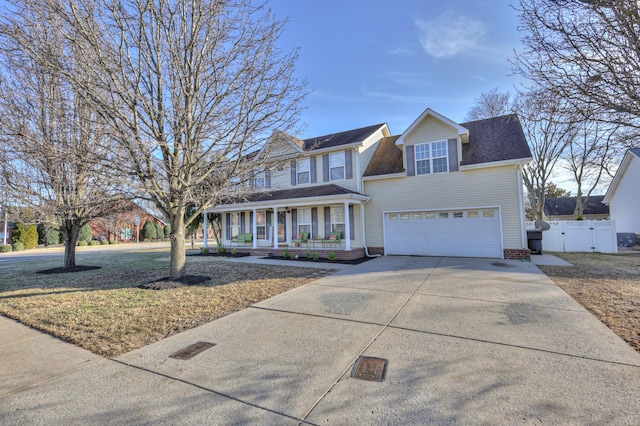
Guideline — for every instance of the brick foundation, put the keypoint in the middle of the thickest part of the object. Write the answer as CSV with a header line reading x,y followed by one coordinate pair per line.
x,y
323,253
517,253
376,250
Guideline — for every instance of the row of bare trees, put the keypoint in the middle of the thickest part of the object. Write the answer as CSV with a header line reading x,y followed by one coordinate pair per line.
x,y
580,106
160,100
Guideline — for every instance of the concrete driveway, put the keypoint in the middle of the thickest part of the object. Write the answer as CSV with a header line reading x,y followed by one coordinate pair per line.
x,y
468,341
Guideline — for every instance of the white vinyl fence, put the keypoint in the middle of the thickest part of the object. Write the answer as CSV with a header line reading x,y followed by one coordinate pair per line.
x,y
579,235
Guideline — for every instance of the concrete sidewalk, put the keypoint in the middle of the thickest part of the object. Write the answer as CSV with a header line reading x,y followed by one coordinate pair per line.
x,y
468,341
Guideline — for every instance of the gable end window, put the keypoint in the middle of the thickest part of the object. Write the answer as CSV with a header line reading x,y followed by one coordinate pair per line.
x,y
303,171
431,158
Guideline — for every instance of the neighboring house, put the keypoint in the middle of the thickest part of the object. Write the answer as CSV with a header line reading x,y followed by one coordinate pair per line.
x,y
9,228
120,223
623,195
439,189
564,208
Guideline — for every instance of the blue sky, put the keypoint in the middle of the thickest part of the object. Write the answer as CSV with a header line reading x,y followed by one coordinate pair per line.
x,y
376,61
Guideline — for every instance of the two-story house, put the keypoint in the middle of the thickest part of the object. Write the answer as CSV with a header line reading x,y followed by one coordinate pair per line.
x,y
440,188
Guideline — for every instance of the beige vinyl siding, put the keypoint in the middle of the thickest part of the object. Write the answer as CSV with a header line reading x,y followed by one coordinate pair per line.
x,y
282,179
496,186
625,204
430,130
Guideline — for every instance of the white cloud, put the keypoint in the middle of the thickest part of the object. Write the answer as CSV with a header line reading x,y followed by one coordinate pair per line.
x,y
449,35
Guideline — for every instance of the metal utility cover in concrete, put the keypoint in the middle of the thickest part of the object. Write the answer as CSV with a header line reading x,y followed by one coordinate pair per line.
x,y
370,368
191,350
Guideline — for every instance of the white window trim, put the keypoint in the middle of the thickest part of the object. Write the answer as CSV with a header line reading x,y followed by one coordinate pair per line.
x,y
344,220
300,223
431,157
260,176
266,235
343,166
232,226
299,170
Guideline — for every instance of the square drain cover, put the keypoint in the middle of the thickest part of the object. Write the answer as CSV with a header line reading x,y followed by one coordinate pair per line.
x,y
191,350
370,368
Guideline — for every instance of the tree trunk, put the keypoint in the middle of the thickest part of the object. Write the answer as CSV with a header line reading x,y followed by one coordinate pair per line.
x,y
70,231
178,267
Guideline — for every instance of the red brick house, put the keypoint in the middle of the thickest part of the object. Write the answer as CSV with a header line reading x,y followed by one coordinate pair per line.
x,y
120,223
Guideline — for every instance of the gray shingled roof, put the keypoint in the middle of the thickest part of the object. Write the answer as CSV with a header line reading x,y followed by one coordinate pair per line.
x,y
566,206
386,160
302,192
342,138
494,139
490,140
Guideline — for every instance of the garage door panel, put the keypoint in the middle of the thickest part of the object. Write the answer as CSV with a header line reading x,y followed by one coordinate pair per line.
x,y
444,235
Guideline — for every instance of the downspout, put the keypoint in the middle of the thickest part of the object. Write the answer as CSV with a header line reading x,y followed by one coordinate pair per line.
x,y
364,237
523,230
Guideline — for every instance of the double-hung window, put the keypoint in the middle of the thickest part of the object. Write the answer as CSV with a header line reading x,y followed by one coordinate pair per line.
x,y
337,220
304,221
259,180
234,226
336,166
431,158
261,225
303,171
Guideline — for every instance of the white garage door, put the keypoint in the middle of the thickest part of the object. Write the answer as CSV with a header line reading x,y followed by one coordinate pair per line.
x,y
464,233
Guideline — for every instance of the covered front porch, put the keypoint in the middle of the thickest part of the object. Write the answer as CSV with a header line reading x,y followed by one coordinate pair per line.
x,y
319,219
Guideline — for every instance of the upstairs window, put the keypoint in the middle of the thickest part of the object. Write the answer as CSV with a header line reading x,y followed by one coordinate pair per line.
x,y
431,158
336,166
303,171
259,180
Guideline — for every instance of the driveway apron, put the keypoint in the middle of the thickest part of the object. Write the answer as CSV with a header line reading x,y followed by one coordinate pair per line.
x,y
467,341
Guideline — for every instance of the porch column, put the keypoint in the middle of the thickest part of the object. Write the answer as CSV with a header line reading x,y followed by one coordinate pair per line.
x,y
347,227
206,229
275,227
254,228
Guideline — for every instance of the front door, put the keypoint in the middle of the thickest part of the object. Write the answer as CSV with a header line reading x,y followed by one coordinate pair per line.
x,y
282,227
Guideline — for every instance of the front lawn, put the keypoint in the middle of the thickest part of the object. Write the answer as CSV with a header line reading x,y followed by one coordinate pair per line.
x,y
102,310
607,285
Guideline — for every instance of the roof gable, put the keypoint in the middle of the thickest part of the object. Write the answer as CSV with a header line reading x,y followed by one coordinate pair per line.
x,y
462,131
626,160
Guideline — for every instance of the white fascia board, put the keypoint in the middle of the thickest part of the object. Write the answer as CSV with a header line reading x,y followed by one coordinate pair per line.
x,y
291,202
516,162
463,132
387,176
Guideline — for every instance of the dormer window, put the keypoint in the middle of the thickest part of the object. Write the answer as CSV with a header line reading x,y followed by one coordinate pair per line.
x,y
303,171
336,165
431,158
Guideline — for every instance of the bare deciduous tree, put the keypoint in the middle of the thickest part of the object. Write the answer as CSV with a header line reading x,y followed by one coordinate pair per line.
x,y
549,132
490,104
55,143
590,157
585,51
191,87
